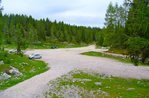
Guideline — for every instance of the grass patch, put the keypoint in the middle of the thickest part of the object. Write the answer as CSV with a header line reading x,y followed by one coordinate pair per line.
x,y
52,45
118,51
55,45
28,68
92,85
99,54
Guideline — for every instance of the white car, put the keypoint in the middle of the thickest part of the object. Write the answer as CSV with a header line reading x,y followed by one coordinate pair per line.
x,y
12,51
35,56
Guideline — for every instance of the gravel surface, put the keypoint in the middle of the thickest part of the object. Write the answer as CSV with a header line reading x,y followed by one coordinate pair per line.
x,y
62,61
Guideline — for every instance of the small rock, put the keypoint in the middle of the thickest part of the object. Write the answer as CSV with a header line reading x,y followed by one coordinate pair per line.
x,y
129,89
15,71
105,93
98,83
1,62
80,80
107,87
4,76
24,63
86,80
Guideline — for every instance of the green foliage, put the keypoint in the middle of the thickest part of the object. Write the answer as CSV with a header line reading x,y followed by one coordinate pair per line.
x,y
52,45
135,47
136,44
25,31
114,32
4,57
137,23
110,17
100,40
127,27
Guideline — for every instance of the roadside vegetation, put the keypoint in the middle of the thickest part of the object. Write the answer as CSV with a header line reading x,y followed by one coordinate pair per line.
x,y
79,84
22,32
127,28
28,68
51,45
124,59
55,45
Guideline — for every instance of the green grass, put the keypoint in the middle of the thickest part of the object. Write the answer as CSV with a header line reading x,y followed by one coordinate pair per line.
x,y
118,51
55,45
41,45
98,54
29,68
115,87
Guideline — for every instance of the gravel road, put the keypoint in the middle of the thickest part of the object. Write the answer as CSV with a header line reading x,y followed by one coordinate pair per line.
x,y
62,61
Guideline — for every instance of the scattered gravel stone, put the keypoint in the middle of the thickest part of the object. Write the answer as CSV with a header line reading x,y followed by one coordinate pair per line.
x,y
4,76
23,63
129,89
15,72
72,91
81,80
107,87
98,83
1,62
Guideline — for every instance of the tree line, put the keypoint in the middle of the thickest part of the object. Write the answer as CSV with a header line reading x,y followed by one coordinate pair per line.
x,y
127,27
24,30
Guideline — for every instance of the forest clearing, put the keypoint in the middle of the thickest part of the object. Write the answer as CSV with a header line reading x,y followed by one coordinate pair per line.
x,y
74,49
63,61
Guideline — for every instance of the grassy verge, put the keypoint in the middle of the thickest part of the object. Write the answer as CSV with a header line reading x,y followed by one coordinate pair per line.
x,y
85,85
98,54
118,51
28,68
52,45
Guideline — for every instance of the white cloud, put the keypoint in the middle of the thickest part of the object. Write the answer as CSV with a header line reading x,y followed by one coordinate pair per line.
x,y
79,12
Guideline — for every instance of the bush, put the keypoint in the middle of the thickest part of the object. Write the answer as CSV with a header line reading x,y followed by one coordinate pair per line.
x,y
135,47
145,54
4,57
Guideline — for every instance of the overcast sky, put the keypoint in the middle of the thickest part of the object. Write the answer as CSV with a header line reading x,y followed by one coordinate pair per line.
x,y
78,12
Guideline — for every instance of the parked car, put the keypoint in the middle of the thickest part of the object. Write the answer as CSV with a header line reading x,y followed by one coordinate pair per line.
x,y
14,51
35,56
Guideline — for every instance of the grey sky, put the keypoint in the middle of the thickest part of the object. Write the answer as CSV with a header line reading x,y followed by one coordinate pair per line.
x,y
78,12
